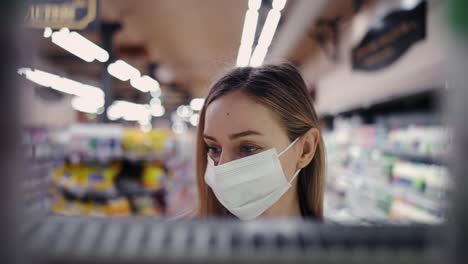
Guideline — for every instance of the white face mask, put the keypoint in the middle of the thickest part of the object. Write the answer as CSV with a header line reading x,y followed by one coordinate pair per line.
x,y
249,186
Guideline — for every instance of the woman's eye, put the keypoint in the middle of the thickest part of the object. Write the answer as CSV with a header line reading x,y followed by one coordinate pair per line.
x,y
213,150
248,149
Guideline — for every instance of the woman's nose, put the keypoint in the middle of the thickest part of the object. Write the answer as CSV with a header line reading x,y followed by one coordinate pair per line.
x,y
225,158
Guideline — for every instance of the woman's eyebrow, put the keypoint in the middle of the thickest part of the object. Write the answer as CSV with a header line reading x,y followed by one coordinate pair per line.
x,y
209,137
236,135
244,134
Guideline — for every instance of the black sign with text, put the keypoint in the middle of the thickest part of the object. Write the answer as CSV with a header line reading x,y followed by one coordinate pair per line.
x,y
73,14
384,45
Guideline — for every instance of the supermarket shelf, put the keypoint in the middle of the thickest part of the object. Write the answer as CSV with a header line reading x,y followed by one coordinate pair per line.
x,y
408,195
89,158
436,207
59,239
415,157
103,195
82,194
419,99
144,192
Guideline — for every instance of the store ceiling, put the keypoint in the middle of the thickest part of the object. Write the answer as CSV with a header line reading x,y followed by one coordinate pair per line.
x,y
191,42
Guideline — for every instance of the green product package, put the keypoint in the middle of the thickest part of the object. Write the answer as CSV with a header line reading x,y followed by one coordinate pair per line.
x,y
458,16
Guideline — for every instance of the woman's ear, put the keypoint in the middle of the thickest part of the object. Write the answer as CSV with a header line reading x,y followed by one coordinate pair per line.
x,y
309,144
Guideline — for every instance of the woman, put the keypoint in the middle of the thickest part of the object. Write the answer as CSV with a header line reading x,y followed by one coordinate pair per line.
x,y
259,149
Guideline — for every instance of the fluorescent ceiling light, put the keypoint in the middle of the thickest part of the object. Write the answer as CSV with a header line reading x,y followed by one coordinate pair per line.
x,y
269,28
244,55
145,83
279,4
156,93
67,86
95,102
113,113
61,38
155,101
255,4
248,33
123,71
157,110
90,91
87,105
62,84
47,32
267,34
146,127
264,41
78,45
409,4
197,104
144,121
156,107
194,119
184,111
40,77
129,111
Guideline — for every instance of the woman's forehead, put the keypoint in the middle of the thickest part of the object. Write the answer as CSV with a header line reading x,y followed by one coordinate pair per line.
x,y
236,112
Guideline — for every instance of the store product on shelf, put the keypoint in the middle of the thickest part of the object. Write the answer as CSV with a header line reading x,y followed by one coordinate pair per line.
x,y
146,206
401,209
104,142
41,145
40,153
113,189
377,171
83,180
93,142
152,175
119,207
145,145
181,189
428,140
430,179
111,170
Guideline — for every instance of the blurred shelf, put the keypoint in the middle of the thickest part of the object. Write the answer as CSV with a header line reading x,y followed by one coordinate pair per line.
x,y
60,239
409,99
413,156
83,193
91,194
368,188
143,192
106,159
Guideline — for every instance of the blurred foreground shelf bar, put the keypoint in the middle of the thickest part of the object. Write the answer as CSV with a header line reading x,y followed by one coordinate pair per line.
x,y
60,239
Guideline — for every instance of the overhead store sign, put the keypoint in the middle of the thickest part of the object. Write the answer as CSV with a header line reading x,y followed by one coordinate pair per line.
x,y
384,45
73,14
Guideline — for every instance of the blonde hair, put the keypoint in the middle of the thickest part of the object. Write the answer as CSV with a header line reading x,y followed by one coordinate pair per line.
x,y
282,89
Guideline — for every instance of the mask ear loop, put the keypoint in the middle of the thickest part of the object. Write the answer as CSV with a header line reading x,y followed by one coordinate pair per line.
x,y
295,175
288,147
